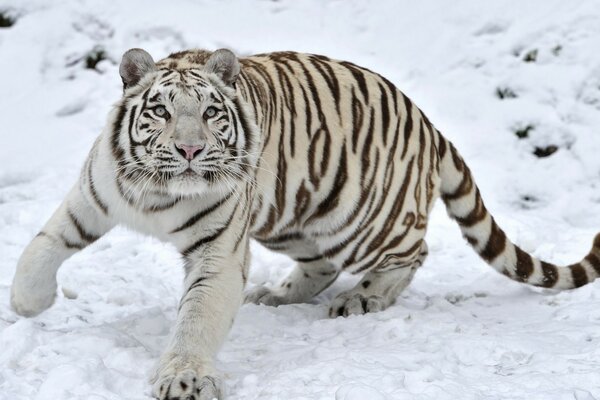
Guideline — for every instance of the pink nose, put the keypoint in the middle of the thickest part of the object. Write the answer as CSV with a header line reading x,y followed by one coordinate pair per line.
x,y
189,152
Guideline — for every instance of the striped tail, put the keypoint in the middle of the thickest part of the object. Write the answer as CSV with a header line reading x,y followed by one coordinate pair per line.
x,y
464,204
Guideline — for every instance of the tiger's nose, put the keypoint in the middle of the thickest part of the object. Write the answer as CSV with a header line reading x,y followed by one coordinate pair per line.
x,y
189,152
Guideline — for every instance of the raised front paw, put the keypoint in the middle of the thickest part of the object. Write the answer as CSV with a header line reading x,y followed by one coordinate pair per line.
x,y
180,378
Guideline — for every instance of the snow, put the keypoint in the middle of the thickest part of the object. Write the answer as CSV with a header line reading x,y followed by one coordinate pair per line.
x,y
459,331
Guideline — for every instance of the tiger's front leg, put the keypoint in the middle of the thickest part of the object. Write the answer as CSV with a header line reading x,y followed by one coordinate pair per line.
x,y
76,223
213,289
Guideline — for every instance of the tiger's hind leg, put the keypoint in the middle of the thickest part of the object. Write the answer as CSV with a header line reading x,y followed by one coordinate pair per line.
x,y
378,289
306,280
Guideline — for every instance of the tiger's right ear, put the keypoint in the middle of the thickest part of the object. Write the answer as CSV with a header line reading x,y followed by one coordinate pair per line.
x,y
135,64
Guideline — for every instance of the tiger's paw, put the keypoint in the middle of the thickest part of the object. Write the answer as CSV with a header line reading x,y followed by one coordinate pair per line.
x,y
179,378
346,304
264,295
187,385
30,299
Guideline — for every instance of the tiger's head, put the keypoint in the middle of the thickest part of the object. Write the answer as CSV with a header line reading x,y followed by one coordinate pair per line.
x,y
184,130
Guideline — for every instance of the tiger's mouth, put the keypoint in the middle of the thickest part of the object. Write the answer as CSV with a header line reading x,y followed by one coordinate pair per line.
x,y
189,172
193,176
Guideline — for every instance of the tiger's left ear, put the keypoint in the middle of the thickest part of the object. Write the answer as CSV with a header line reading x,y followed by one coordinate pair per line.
x,y
225,65
135,64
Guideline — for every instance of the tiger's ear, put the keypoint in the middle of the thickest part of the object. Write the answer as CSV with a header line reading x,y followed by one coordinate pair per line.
x,y
135,64
225,65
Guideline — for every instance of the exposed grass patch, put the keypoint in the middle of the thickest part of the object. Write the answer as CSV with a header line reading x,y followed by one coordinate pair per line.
x,y
545,151
531,56
528,199
6,21
505,93
523,133
94,57
528,202
556,50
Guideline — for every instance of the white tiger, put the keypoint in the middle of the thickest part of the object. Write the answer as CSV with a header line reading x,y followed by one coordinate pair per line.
x,y
323,160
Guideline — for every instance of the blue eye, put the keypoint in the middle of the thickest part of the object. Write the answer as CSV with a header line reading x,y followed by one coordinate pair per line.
x,y
210,112
161,111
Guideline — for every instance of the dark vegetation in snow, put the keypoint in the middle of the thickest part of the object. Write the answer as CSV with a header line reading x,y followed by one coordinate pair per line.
x,y
6,21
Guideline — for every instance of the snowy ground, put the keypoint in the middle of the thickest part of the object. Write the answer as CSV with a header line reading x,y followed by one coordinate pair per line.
x,y
459,331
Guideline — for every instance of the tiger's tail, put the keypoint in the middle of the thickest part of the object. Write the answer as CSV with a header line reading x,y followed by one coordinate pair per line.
x,y
465,205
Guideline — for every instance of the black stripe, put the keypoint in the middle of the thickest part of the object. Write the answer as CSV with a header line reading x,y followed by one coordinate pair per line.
x,y
71,245
287,89
132,118
244,232
198,216
307,111
116,149
495,245
86,236
360,228
197,283
207,239
524,266
95,196
592,259
243,119
203,241
578,274
408,125
146,94
393,214
311,87
357,120
282,238
308,259
550,273
330,79
385,114
333,198
287,92
155,98
359,76
476,215
161,207
393,90
121,191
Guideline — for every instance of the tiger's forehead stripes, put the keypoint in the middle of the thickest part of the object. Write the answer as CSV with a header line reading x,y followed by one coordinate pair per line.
x,y
183,78
156,97
171,96
179,85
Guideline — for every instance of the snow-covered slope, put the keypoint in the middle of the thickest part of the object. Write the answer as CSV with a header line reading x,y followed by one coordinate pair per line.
x,y
459,331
